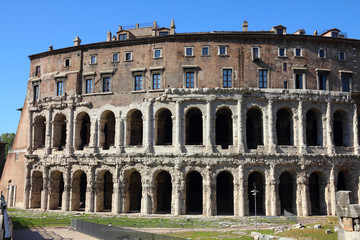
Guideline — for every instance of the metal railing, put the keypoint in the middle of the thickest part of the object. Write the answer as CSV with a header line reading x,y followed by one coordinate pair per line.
x,y
6,224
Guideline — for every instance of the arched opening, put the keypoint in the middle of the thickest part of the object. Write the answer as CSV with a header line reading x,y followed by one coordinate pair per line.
x,y
342,180
224,128
163,192
39,132
164,127
82,128
225,193
283,127
258,180
135,128
104,191
286,192
194,193
254,128
36,189
317,199
56,189
59,137
78,193
194,127
107,129
312,126
340,129
135,192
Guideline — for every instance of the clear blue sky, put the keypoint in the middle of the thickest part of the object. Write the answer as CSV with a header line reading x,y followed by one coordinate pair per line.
x,y
29,27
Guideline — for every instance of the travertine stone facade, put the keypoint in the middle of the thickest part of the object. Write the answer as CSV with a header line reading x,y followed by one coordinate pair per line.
x,y
154,121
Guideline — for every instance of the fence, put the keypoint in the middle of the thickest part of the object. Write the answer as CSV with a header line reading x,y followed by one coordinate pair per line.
x,y
6,224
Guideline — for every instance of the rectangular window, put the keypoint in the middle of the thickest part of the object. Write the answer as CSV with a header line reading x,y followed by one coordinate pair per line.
x,y
157,53
322,80
322,53
284,67
345,79
298,52
156,81
122,36
128,56
67,62
138,82
190,81
255,53
285,84
36,93
115,57
227,78
189,51
263,78
163,33
222,51
334,34
342,56
59,88
93,59
299,80
282,52
205,51
106,84
280,31
37,71
89,86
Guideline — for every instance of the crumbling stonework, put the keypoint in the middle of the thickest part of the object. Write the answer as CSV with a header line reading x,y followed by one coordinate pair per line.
x,y
349,217
152,122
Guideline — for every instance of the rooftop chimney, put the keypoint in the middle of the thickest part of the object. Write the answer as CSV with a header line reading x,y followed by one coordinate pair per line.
x,y
315,33
77,41
108,38
50,48
137,26
245,26
120,28
155,24
172,27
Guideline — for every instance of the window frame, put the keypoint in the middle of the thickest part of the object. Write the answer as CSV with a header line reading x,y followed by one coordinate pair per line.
x,y
226,69
321,86
186,52
339,56
93,57
37,71
159,81
141,86
118,57
344,74
295,52
225,50
279,51
109,85
122,38
36,93
154,53
303,79
128,53
86,85
319,53
258,53
267,78
67,60
57,82
208,51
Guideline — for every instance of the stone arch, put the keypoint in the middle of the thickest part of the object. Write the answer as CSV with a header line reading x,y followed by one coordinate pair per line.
x,y
135,127
78,191
82,130
194,127
163,127
104,191
254,128
56,189
36,189
284,127
258,179
341,129
107,129
39,132
225,193
163,190
287,192
194,193
317,185
224,127
313,128
59,138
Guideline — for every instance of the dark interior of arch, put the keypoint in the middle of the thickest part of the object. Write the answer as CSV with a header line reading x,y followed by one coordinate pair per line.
x,y
311,129
109,130
83,184
136,126
85,131
39,132
225,194
341,181
338,129
36,188
283,127
194,196
135,191
61,189
257,179
108,190
63,136
254,128
286,192
194,127
224,128
164,192
164,128
314,188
